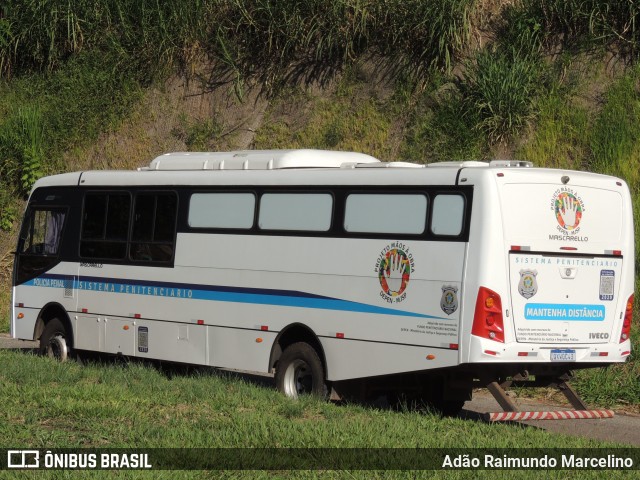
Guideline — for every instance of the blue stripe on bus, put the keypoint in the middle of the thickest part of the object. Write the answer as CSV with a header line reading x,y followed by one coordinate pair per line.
x,y
219,293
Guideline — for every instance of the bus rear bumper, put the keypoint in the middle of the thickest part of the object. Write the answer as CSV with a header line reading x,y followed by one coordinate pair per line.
x,y
487,351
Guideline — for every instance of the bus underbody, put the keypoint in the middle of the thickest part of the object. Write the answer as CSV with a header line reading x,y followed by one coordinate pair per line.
x,y
446,390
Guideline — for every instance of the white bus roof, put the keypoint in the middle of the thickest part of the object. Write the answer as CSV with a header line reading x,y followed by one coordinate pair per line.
x,y
258,160
282,167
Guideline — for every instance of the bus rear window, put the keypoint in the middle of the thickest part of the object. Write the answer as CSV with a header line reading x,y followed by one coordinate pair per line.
x,y
386,213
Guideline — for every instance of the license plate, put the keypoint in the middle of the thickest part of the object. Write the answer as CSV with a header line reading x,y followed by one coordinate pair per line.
x,y
564,355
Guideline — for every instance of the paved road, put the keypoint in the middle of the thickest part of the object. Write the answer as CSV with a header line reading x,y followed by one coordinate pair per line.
x,y
8,342
623,428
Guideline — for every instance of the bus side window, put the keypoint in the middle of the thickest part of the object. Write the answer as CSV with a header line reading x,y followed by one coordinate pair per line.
x,y
42,232
154,225
105,225
222,210
392,213
448,214
309,212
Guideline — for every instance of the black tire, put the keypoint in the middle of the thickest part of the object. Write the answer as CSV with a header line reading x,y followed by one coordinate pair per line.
x,y
54,341
300,372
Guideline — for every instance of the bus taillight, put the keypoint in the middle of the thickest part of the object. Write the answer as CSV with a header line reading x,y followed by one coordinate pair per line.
x,y
626,324
487,321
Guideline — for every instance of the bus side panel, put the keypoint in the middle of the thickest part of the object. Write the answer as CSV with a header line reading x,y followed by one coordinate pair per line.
x,y
89,332
240,349
253,281
241,293
170,341
347,359
53,287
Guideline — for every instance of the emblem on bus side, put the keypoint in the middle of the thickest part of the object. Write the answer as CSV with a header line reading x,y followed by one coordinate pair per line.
x,y
568,208
394,268
449,300
528,286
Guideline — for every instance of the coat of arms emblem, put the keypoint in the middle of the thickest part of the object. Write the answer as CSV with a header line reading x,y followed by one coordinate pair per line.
x,y
528,286
449,300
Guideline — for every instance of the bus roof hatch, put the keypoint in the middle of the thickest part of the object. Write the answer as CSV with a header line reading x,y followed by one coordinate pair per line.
x,y
258,160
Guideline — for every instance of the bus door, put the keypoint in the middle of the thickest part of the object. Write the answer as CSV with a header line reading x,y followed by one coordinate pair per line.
x,y
41,276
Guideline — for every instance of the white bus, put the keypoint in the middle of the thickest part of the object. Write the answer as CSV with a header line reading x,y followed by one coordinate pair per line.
x,y
340,273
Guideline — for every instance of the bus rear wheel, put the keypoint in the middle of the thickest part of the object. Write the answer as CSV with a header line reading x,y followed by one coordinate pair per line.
x,y
300,372
54,341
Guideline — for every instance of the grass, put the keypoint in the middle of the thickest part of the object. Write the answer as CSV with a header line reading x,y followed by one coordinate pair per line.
x,y
5,301
558,137
115,405
616,130
199,136
346,119
428,136
279,43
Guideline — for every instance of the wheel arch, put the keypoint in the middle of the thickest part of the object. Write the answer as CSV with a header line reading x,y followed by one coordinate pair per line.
x,y
293,333
50,311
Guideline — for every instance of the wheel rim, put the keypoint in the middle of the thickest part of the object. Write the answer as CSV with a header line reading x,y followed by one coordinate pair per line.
x,y
298,379
57,348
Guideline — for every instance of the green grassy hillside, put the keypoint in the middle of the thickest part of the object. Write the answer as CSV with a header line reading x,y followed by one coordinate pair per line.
x,y
112,84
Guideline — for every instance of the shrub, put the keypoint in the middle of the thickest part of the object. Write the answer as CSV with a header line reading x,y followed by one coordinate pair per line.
x,y
500,89
440,133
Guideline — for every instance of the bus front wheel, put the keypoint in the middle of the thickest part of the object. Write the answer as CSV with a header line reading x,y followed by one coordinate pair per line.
x,y
54,341
300,372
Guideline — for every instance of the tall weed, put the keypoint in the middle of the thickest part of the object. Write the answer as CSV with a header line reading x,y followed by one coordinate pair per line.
x,y
589,23
282,42
500,88
276,42
41,32
439,132
417,37
147,34
615,138
22,146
